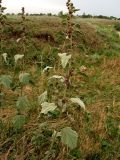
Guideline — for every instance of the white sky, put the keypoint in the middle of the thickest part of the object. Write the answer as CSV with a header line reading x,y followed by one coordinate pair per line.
x,y
94,7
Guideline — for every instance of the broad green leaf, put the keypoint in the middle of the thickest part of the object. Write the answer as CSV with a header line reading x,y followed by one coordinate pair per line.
x,y
78,101
69,137
22,103
24,78
18,56
64,59
5,57
6,80
18,121
42,98
47,107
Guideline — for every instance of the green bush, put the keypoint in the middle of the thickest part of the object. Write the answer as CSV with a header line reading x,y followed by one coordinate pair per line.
x,y
117,26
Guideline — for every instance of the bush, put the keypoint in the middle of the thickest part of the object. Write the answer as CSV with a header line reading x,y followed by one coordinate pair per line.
x,y
117,26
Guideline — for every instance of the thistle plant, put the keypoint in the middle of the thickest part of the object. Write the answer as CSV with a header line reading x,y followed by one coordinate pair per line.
x,y
2,16
69,36
2,23
23,14
23,23
23,19
23,36
70,24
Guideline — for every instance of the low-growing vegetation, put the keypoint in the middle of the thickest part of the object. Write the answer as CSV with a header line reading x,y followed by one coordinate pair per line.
x,y
59,87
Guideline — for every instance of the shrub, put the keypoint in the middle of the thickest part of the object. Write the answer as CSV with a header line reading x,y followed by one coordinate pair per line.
x,y
117,26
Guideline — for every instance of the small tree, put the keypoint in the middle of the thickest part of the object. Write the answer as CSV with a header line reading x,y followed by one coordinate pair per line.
x,y
49,14
60,14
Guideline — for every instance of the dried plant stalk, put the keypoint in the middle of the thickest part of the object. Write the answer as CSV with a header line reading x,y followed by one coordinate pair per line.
x,y
23,18
2,23
23,22
71,10
23,13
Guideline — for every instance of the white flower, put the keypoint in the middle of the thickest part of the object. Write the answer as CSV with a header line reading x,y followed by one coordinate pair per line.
x,y
64,59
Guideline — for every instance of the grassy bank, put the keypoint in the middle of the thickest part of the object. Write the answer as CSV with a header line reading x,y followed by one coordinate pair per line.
x,y
92,74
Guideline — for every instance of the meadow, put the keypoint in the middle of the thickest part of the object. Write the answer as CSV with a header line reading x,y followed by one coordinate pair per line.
x,y
59,98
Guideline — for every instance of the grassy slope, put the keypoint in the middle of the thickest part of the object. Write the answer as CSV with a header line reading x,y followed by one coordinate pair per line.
x,y
98,49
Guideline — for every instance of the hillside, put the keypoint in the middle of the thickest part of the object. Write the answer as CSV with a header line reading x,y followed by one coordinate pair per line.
x,y
27,130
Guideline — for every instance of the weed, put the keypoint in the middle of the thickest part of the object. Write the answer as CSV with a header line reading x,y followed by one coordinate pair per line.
x,y
2,26
71,10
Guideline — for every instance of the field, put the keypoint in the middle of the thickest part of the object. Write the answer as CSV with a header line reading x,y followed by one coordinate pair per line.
x,y
92,75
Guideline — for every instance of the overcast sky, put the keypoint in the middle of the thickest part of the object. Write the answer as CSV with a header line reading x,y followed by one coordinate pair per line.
x,y
94,7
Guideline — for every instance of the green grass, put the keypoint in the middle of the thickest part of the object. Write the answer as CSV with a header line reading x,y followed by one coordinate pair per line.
x,y
97,49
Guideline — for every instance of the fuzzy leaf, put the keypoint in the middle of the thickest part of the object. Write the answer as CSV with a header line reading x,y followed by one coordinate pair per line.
x,y
22,103
6,80
42,98
24,78
64,59
78,101
69,137
47,107
18,121
17,57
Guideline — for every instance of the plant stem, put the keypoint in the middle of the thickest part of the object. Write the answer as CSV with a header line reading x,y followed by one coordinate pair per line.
x,y
51,146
